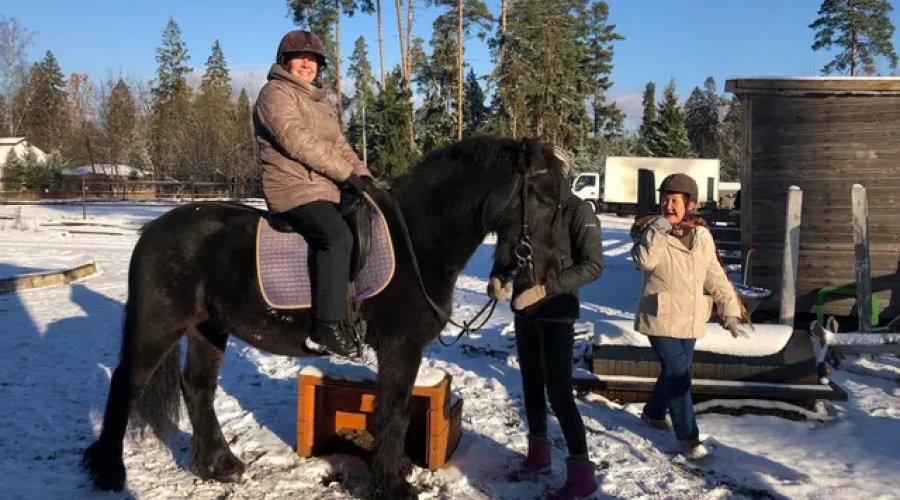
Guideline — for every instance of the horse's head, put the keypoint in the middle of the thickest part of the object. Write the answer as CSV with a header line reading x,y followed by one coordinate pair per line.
x,y
528,206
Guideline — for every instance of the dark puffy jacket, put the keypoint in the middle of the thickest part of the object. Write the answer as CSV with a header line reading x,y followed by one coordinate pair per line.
x,y
581,251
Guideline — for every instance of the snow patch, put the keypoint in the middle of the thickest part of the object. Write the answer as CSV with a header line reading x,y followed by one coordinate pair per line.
x,y
765,340
427,377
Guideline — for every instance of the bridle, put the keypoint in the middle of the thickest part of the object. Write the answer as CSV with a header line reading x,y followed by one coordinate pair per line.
x,y
523,250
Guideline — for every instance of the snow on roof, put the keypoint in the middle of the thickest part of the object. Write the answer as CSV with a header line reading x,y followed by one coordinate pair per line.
x,y
861,85
818,78
105,169
10,141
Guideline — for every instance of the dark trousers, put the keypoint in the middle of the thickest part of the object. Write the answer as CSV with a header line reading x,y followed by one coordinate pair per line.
x,y
545,359
673,387
331,243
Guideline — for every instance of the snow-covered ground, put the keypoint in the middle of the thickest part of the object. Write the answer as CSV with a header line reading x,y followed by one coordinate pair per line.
x,y
59,345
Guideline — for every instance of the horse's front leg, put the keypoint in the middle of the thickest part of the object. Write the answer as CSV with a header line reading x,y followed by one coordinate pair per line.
x,y
398,362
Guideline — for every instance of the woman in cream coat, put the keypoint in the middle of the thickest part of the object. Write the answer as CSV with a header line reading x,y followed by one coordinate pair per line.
x,y
677,256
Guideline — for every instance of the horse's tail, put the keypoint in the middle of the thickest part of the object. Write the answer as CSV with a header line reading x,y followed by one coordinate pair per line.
x,y
158,405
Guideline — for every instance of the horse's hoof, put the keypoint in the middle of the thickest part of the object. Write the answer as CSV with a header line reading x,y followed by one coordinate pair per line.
x,y
106,470
404,491
401,490
406,466
222,467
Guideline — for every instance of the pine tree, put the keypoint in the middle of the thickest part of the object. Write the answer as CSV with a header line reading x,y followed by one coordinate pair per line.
x,y
474,111
171,74
541,82
216,76
119,122
647,131
360,70
245,163
860,29
461,20
702,120
434,120
730,135
171,106
608,119
214,148
13,174
389,140
46,121
671,138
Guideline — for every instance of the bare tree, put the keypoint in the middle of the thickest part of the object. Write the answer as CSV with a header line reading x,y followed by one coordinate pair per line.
x,y
14,43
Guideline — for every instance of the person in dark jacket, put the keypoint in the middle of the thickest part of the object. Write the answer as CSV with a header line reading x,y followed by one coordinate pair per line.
x,y
545,316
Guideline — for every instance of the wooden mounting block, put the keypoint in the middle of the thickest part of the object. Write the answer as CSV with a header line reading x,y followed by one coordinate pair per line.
x,y
328,404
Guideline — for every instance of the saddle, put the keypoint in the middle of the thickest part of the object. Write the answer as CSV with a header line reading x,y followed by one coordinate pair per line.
x,y
283,257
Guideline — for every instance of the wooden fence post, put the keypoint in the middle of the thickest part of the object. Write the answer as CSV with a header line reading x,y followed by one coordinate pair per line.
x,y
790,256
860,209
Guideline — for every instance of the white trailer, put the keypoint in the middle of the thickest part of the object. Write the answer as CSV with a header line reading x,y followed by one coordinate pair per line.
x,y
619,190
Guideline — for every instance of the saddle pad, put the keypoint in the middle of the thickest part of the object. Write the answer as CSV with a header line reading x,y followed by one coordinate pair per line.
x,y
283,268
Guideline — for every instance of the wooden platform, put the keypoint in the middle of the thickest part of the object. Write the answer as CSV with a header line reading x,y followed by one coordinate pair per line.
x,y
790,373
47,279
328,405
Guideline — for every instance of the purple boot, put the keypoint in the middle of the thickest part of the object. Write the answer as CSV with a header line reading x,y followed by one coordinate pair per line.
x,y
580,481
537,461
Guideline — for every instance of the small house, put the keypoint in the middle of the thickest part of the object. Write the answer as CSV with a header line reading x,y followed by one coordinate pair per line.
x,y
20,147
822,134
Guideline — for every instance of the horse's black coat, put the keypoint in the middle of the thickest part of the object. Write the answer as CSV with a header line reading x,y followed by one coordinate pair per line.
x,y
193,273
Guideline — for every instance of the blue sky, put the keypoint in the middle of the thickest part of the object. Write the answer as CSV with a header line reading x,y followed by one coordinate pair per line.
x,y
685,39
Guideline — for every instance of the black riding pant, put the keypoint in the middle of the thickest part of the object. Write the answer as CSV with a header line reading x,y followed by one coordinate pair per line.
x,y
331,243
545,359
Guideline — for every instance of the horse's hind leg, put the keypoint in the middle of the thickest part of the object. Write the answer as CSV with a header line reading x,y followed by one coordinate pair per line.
x,y
149,364
211,457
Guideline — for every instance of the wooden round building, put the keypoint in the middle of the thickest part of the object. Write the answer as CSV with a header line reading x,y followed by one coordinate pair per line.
x,y
824,135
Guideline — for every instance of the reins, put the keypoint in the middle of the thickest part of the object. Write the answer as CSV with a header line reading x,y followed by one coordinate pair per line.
x,y
523,252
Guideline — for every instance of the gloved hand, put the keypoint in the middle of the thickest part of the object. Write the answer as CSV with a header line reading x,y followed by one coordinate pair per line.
x,y
658,222
640,224
529,297
361,184
497,290
688,224
733,325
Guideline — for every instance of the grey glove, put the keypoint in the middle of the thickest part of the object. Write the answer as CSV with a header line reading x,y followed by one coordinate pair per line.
x,y
661,225
733,325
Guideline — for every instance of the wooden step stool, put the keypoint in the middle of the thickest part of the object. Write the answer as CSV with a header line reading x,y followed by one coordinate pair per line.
x,y
328,403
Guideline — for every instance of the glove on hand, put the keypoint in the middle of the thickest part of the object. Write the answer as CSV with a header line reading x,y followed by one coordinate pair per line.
x,y
360,184
529,297
687,224
640,224
497,290
733,325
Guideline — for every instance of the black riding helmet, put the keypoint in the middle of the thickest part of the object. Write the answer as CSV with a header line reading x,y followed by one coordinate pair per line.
x,y
297,41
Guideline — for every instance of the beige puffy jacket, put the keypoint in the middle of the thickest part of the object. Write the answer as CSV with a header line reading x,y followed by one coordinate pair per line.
x,y
671,302
302,151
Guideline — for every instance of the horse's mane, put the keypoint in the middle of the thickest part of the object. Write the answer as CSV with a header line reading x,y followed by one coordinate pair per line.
x,y
463,163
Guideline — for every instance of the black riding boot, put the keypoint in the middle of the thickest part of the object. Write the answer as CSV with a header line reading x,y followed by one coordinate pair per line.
x,y
335,336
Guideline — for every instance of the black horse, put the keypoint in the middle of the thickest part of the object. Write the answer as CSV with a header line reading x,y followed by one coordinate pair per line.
x,y
193,273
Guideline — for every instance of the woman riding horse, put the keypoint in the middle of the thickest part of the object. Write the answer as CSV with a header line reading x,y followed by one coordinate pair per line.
x,y
305,160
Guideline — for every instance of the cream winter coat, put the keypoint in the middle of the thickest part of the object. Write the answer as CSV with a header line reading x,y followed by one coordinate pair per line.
x,y
671,302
